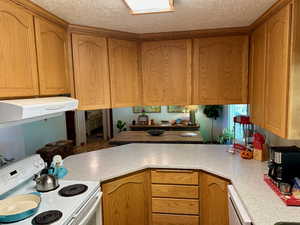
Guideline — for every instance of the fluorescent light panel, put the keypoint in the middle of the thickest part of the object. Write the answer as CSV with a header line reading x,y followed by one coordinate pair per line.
x,y
149,6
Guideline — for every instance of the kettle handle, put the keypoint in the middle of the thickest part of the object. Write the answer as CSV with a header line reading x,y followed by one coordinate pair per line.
x,y
49,170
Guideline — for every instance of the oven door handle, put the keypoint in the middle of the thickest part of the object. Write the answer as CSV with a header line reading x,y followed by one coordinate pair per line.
x,y
92,210
238,206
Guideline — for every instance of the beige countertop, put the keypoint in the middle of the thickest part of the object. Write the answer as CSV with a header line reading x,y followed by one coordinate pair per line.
x,y
263,206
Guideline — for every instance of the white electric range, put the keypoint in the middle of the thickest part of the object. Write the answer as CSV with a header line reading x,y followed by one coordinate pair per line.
x,y
82,209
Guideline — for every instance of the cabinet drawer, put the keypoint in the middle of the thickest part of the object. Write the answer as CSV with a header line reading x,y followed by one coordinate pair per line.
x,y
175,191
166,219
189,177
176,206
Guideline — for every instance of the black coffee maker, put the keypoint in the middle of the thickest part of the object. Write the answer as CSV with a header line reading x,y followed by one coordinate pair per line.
x,y
284,164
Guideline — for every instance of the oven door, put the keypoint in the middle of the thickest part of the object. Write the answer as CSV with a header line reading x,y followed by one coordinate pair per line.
x,y
237,213
90,213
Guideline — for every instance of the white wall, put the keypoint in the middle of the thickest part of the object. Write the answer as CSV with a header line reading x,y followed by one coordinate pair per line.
x,y
127,115
23,140
12,144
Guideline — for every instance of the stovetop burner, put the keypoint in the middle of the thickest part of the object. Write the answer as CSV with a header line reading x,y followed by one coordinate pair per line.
x,y
72,190
47,217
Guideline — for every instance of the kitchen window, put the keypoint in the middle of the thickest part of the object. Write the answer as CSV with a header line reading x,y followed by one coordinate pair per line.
x,y
236,110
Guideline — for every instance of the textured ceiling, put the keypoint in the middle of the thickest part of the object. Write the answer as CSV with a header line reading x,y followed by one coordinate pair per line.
x,y
189,15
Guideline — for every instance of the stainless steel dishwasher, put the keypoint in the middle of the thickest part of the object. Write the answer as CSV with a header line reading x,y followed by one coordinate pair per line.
x,y
237,212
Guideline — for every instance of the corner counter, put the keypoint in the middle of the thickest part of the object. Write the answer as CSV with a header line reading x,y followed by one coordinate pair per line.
x,y
264,207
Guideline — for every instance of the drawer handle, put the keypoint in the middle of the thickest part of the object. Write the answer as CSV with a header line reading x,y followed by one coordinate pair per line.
x,y
174,171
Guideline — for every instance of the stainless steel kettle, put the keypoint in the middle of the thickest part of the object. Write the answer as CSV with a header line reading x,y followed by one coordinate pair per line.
x,y
46,182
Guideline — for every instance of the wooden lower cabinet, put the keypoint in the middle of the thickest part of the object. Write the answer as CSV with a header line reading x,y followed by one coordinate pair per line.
x,y
175,191
188,177
167,219
175,197
139,199
126,200
214,206
175,206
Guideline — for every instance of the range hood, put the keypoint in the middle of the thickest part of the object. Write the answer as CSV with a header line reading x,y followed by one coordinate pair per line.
x,y
23,109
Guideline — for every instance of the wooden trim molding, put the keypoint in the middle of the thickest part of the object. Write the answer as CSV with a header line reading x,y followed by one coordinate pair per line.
x,y
73,28
194,34
39,11
271,11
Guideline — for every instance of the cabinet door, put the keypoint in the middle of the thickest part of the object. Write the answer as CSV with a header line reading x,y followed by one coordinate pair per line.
x,y
18,69
51,41
214,206
277,75
258,73
91,73
166,68
124,77
126,200
220,70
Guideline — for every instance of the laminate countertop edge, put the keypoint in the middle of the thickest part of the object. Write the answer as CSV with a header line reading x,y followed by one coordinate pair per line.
x,y
262,204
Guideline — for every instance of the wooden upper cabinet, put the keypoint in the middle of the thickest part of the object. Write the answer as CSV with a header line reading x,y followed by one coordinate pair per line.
x,y
124,77
166,71
126,200
277,72
258,74
220,70
18,68
91,72
214,202
51,42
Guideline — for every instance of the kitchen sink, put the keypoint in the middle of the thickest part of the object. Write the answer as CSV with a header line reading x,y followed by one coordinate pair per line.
x,y
286,223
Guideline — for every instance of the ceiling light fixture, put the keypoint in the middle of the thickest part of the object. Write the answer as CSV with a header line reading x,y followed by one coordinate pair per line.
x,y
150,6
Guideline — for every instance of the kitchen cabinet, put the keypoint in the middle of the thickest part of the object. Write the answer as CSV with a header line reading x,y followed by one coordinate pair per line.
x,y
124,76
214,206
277,71
188,177
220,70
278,110
18,67
172,219
52,52
166,196
175,191
258,75
166,72
175,206
91,72
175,197
126,200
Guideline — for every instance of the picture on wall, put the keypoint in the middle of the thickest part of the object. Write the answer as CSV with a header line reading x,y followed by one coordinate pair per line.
x,y
147,109
176,109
